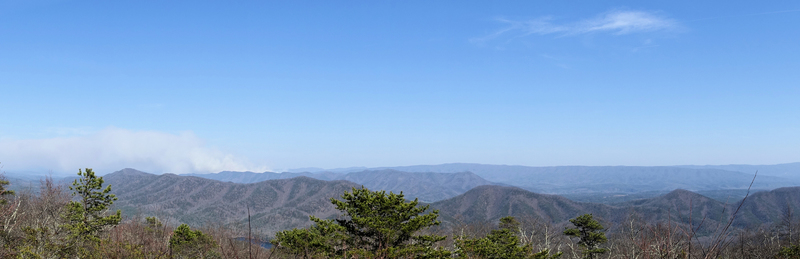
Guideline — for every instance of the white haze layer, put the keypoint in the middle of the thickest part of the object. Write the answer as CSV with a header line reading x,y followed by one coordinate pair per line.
x,y
113,149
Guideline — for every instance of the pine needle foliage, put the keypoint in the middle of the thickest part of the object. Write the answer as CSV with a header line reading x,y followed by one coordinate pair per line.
x,y
4,190
590,235
501,243
188,243
86,217
789,252
315,242
373,224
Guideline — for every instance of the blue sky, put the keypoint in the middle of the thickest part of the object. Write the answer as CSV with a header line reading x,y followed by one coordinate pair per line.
x,y
198,86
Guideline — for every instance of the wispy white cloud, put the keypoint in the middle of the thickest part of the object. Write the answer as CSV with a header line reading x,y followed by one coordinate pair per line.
x,y
625,22
112,149
613,22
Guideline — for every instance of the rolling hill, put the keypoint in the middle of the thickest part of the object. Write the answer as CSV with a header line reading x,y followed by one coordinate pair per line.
x,y
490,203
274,205
428,187
767,207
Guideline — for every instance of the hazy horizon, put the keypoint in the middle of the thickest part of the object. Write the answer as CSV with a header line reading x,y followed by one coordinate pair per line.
x,y
103,171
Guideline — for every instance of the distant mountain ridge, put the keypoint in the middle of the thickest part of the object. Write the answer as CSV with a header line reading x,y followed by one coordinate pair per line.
x,y
609,179
586,183
428,187
252,177
788,170
779,170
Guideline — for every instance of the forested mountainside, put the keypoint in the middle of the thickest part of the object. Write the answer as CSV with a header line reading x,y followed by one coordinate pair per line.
x,y
771,206
428,187
490,203
286,203
274,205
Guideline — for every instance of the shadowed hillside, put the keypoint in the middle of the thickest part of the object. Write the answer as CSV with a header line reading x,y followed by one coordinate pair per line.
x,y
274,205
769,207
490,203
678,205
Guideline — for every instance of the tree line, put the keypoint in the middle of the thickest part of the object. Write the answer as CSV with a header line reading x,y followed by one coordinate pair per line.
x,y
77,222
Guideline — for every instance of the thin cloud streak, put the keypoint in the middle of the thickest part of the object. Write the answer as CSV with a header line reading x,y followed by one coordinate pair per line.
x,y
112,149
614,22
626,22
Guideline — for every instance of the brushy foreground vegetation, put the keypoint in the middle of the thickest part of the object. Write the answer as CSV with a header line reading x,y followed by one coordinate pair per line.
x,y
76,222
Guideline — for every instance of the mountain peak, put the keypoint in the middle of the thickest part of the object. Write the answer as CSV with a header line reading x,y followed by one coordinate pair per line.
x,y
130,172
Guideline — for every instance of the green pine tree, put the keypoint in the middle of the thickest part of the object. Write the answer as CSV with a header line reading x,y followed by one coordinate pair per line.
x,y
502,243
789,252
87,217
186,243
374,224
590,235
383,224
315,242
4,189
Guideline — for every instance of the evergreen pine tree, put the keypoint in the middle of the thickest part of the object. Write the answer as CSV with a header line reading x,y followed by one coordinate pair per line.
x,y
188,243
86,217
4,189
374,224
589,231
502,243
